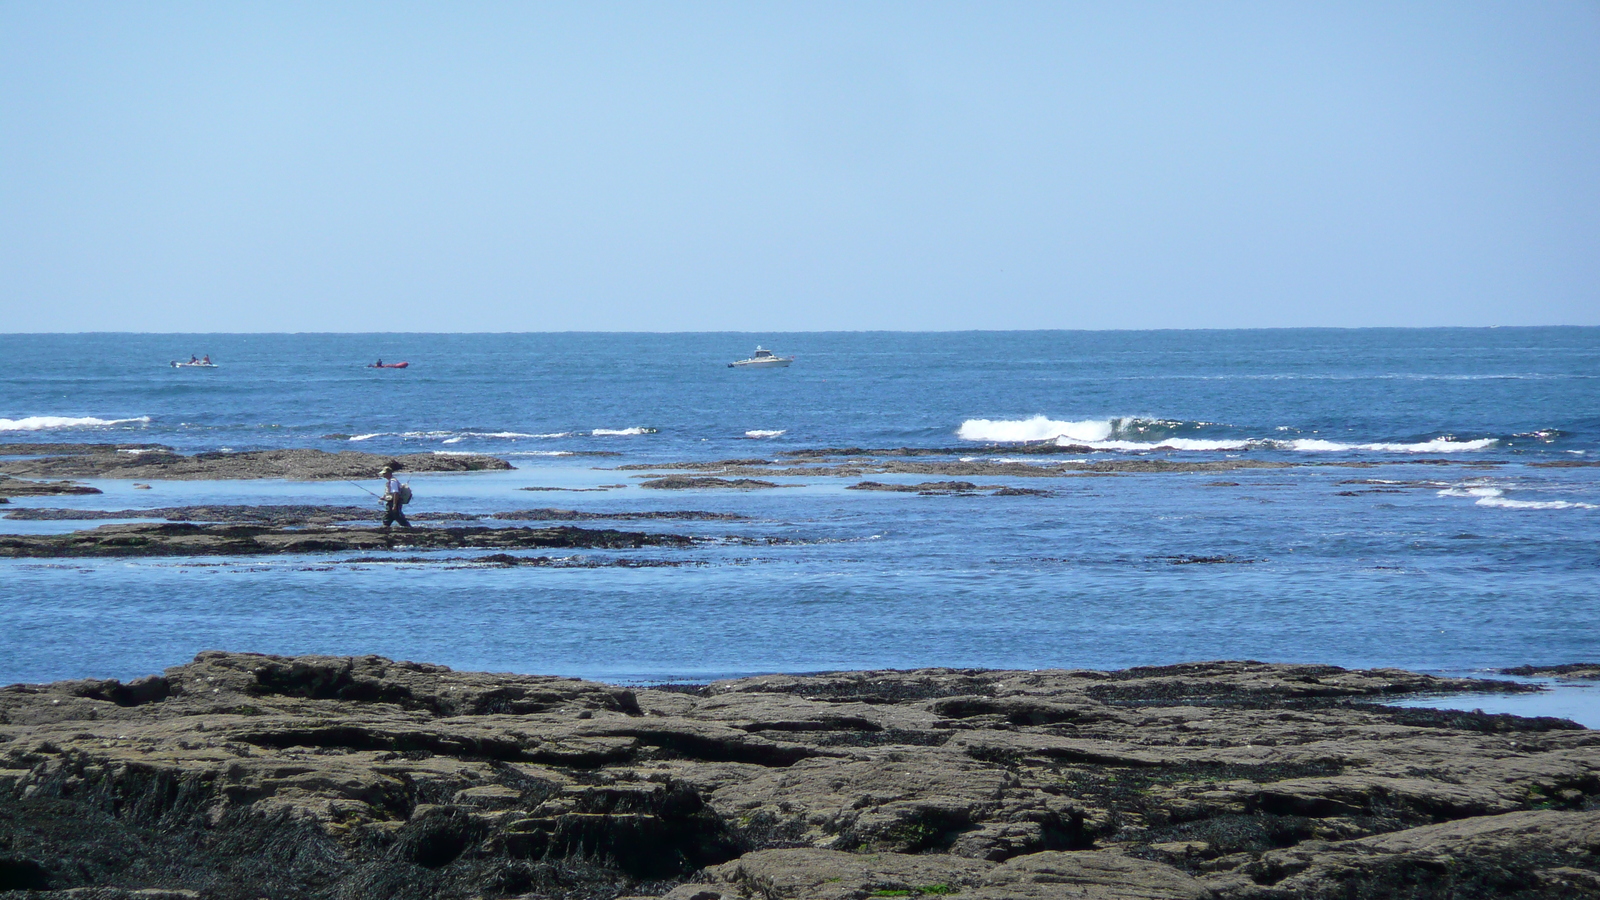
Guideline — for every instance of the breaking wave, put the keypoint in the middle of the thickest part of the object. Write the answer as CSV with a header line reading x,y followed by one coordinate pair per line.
x,y
1495,497
621,432
1037,428
762,433
45,423
1137,434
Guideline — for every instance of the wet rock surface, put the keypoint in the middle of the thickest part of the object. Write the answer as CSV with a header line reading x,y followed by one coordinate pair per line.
x,y
297,514
183,539
949,487
1567,670
264,514
160,463
69,449
547,514
241,775
687,482
18,487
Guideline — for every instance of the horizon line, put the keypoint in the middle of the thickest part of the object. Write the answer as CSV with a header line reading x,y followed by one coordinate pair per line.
x,y
843,330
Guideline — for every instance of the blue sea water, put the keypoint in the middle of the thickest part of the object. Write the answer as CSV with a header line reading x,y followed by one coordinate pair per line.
x,y
1482,555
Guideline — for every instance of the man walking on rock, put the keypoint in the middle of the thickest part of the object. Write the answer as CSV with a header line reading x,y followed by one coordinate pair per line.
x,y
393,501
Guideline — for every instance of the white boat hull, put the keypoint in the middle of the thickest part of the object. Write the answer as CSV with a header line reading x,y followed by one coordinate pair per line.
x,y
777,362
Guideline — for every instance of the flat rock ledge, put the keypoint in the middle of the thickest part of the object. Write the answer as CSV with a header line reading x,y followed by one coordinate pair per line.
x,y
181,539
157,463
285,515
242,776
19,487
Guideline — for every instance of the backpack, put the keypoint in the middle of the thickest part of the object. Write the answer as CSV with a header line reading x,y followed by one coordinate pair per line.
x,y
403,496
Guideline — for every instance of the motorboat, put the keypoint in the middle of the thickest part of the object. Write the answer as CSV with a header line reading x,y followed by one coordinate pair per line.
x,y
762,359
193,365
383,365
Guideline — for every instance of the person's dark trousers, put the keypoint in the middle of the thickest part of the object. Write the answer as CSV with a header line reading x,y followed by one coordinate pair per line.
x,y
393,513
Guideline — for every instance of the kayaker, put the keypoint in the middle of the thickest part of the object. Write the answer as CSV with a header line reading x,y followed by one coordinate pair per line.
x,y
393,506
378,364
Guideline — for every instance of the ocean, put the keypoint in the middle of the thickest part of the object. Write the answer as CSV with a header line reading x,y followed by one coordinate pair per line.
x,y
1442,512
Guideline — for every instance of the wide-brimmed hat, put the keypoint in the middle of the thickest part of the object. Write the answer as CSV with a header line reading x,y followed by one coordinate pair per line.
x,y
386,470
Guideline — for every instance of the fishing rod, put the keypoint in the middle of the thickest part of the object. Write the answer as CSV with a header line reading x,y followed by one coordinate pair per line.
x,y
373,493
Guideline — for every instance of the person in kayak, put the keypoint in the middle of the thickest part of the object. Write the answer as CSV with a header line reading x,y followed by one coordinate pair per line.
x,y
378,364
393,503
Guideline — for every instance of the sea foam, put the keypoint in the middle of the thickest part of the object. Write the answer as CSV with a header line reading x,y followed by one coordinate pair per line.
x,y
45,423
1437,445
1126,434
1037,428
764,433
1496,498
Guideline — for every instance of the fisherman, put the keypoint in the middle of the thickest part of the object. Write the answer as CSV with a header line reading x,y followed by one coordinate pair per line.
x,y
393,506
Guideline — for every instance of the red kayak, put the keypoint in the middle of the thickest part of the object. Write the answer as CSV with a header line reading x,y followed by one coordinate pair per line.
x,y
398,365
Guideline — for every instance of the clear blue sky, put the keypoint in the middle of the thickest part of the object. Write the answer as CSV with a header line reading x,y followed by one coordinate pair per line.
x,y
804,166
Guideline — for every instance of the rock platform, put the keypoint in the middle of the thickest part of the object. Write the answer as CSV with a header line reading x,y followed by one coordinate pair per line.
x,y
188,539
242,776
154,462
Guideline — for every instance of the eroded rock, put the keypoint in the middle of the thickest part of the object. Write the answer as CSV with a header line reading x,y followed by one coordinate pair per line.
x,y
362,777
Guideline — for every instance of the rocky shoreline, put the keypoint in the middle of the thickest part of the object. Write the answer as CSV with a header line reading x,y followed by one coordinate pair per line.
x,y
241,775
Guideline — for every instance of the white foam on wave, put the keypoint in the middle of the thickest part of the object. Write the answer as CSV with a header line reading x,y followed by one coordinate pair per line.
x,y
764,433
1037,428
1124,434
1163,444
621,432
45,423
455,437
538,453
460,436
1496,498
1437,445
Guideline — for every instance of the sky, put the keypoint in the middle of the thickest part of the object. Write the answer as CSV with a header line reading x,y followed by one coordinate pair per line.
x,y
604,166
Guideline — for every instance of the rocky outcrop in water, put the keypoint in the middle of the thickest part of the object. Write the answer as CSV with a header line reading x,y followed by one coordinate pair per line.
x,y
17,487
240,775
175,539
301,514
295,465
687,482
949,487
